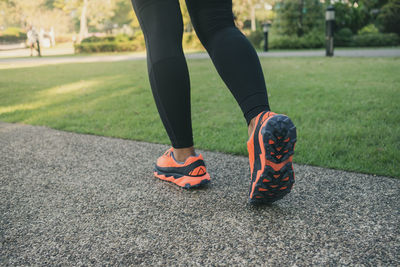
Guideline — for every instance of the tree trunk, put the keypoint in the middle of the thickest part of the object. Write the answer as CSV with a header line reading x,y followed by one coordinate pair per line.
x,y
83,31
252,7
253,18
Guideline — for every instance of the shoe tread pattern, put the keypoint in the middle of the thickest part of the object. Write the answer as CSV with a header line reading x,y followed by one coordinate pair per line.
x,y
279,137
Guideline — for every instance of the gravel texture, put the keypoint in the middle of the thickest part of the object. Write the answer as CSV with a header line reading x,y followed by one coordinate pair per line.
x,y
74,199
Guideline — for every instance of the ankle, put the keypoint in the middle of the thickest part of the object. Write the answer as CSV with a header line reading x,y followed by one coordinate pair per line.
x,y
181,154
251,126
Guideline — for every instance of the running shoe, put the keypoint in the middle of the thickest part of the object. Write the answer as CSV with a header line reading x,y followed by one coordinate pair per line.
x,y
189,174
271,148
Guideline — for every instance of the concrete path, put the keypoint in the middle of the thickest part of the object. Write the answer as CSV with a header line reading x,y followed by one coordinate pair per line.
x,y
377,52
73,199
18,47
13,51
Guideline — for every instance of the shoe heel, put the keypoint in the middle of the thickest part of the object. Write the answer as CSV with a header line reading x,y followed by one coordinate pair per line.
x,y
279,138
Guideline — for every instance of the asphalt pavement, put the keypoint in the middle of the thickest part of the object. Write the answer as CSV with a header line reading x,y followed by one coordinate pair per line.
x,y
75,199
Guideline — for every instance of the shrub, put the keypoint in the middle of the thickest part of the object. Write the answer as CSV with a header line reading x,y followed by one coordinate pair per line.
x,y
285,42
138,41
12,34
376,39
92,39
190,41
18,32
121,43
313,39
256,38
96,47
95,39
370,28
344,37
118,43
121,38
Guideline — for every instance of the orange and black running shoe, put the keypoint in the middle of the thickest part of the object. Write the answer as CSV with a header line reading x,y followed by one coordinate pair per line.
x,y
191,173
271,148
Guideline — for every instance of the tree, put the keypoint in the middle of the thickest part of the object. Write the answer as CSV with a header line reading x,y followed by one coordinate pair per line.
x,y
6,15
351,16
299,17
83,29
389,17
94,13
253,11
38,13
124,15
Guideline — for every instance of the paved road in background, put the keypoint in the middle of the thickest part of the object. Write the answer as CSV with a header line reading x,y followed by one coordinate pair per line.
x,y
73,199
378,52
11,51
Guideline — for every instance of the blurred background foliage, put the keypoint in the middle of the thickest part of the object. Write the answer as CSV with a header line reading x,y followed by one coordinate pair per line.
x,y
111,25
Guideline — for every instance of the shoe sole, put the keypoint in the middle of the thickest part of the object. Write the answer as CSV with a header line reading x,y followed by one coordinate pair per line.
x,y
183,181
277,139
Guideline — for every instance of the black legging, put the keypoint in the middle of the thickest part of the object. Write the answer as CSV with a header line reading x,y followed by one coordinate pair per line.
x,y
233,56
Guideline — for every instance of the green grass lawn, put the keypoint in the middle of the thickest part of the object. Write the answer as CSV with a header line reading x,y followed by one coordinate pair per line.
x,y
346,110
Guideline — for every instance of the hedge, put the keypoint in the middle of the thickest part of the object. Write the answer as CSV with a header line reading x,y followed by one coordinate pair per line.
x,y
256,38
107,47
121,43
344,38
12,35
190,41
95,39
376,39
312,40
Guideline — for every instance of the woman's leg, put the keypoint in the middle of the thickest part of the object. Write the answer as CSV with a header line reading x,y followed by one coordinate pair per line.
x,y
272,136
232,54
161,23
